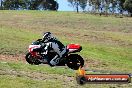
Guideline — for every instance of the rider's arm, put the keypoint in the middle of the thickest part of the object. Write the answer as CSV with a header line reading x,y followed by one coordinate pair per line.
x,y
45,47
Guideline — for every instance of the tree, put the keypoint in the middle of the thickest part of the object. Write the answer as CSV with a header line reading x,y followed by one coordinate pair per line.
x,y
53,5
121,2
43,4
114,3
121,7
30,4
77,3
83,4
1,2
128,6
99,5
33,4
13,4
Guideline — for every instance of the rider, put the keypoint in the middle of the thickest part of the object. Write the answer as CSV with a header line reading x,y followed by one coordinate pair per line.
x,y
52,43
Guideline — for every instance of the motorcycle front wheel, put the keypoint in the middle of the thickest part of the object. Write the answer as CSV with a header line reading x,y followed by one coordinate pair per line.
x,y
31,60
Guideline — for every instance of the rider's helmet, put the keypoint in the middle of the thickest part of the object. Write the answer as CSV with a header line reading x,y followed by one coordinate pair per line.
x,y
47,36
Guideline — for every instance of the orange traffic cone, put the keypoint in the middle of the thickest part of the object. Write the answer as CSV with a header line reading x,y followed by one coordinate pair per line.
x,y
81,71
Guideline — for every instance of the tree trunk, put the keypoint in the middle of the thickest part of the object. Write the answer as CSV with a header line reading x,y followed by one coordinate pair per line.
x,y
77,7
1,5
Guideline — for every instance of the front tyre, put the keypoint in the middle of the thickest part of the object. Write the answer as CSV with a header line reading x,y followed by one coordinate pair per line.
x,y
31,60
74,61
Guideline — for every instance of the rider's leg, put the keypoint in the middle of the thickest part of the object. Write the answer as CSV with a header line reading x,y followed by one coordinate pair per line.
x,y
60,53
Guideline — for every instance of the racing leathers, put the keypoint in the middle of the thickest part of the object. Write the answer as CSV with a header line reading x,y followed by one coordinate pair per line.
x,y
56,46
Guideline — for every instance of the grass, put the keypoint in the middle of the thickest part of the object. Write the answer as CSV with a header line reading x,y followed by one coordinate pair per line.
x,y
35,68
26,83
14,41
30,76
106,41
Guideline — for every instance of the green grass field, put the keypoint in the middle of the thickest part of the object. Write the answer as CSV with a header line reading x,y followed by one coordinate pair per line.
x,y
106,42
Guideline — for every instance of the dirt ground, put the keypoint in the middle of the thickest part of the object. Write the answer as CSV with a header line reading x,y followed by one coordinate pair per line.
x,y
14,58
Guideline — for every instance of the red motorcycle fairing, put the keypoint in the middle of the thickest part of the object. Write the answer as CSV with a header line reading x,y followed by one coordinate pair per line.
x,y
74,48
31,47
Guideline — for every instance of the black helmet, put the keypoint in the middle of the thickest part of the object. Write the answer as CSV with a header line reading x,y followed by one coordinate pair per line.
x,y
47,36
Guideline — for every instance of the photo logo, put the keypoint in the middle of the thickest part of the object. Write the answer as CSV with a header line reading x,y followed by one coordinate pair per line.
x,y
83,78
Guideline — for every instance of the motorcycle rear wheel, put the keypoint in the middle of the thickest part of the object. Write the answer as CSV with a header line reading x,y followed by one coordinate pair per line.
x,y
74,61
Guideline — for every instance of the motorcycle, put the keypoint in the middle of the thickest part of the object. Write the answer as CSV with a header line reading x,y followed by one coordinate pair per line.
x,y
73,61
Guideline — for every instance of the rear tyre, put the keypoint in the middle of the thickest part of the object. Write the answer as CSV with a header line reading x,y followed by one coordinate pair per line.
x,y
74,61
31,60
